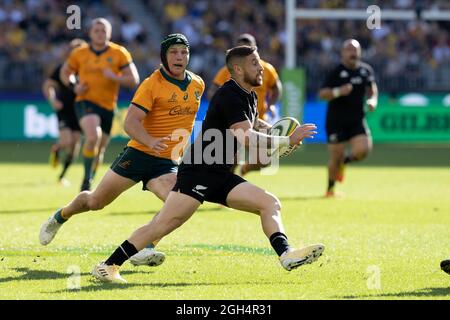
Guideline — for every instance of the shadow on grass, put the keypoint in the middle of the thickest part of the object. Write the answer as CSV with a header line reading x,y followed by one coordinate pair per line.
x,y
102,286
232,248
19,211
97,285
295,198
424,292
124,213
218,207
31,274
121,213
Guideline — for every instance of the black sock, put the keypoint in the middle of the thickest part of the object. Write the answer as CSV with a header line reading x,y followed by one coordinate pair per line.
x,y
122,254
279,242
331,184
349,158
67,163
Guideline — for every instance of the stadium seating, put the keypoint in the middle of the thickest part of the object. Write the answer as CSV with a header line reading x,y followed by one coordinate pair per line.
x,y
406,55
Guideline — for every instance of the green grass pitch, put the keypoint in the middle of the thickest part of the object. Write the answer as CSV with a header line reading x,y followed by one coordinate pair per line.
x,y
384,239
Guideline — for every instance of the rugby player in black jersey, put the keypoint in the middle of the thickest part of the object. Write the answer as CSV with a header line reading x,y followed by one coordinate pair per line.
x,y
347,88
62,100
206,176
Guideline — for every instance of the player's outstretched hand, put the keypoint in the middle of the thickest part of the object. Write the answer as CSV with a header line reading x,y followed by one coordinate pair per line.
x,y
158,145
307,130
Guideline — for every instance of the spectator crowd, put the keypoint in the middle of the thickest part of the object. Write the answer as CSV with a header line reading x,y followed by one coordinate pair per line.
x,y
406,55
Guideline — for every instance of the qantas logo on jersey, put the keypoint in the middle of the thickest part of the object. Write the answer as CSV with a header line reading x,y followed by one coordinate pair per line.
x,y
173,98
180,111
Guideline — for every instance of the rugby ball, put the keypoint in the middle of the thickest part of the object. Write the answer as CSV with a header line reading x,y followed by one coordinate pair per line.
x,y
283,127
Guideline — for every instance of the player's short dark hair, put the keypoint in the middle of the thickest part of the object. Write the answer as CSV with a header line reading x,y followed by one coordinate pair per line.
x,y
237,53
246,39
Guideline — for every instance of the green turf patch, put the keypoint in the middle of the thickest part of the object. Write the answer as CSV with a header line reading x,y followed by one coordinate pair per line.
x,y
384,238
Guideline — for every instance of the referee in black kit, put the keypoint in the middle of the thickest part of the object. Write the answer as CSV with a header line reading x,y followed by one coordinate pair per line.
x,y
346,88
233,106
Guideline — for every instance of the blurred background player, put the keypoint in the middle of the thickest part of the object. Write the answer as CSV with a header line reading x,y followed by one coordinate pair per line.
x,y
345,89
150,156
268,93
102,67
62,99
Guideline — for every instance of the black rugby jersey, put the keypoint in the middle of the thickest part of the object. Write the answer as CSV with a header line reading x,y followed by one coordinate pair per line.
x,y
349,107
229,105
63,93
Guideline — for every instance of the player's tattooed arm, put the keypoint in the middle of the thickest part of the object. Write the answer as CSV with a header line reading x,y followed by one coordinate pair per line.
x,y
246,135
261,125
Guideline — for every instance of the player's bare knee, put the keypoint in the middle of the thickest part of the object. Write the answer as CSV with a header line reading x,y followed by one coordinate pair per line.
x,y
89,145
92,140
167,181
94,203
160,194
162,186
360,154
271,204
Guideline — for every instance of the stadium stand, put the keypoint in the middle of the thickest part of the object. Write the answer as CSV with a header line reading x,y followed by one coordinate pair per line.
x,y
407,55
